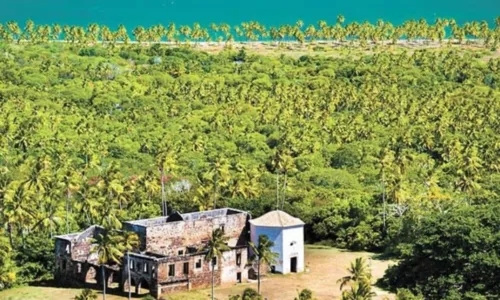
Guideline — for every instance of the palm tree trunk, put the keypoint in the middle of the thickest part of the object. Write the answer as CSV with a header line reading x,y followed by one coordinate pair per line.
x,y
67,211
258,277
383,200
163,201
215,191
103,283
213,278
284,191
9,229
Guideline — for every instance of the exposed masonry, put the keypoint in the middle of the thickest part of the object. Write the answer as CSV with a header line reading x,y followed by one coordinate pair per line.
x,y
170,257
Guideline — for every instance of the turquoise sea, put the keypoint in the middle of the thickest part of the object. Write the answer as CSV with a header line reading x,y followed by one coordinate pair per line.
x,y
269,12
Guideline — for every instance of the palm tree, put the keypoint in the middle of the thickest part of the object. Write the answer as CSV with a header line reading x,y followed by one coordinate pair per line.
x,y
359,273
93,31
186,32
121,34
139,34
110,247
166,160
69,180
359,291
263,254
340,19
219,175
216,245
56,31
29,30
15,30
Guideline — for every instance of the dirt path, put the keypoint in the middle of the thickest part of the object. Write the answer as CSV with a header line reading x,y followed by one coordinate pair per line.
x,y
325,267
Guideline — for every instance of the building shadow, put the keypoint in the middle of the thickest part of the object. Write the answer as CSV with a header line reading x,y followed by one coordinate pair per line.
x,y
110,290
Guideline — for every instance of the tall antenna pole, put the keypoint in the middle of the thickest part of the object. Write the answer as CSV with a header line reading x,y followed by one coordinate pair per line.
x,y
277,188
283,197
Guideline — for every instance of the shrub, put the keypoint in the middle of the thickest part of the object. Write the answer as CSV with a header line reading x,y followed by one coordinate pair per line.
x,y
251,294
305,294
86,294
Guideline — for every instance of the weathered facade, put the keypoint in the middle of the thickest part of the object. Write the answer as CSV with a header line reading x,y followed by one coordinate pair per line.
x,y
75,264
170,256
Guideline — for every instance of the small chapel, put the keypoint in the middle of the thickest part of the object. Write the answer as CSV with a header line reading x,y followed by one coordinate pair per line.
x,y
287,234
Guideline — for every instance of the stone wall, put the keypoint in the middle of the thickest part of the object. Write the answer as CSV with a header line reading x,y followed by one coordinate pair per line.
x,y
170,238
234,262
73,257
142,269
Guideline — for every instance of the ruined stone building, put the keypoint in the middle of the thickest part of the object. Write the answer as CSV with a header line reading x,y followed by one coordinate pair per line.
x,y
170,257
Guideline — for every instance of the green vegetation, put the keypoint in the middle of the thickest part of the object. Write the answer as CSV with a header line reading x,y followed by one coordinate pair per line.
x,y
359,272
7,265
341,31
359,281
452,255
110,248
373,152
305,294
248,294
86,294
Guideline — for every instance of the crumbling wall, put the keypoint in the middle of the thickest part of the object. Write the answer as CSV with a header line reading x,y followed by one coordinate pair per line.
x,y
202,277
234,262
169,238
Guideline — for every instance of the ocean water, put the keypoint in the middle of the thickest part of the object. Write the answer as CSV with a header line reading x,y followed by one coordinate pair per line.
x,y
132,13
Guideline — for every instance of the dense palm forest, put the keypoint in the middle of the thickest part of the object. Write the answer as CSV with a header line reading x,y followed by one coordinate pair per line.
x,y
341,31
393,151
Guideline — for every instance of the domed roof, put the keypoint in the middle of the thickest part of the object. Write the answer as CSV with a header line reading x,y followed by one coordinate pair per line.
x,y
276,218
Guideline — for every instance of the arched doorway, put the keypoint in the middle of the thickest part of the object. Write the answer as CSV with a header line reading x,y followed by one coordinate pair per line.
x,y
142,287
91,276
129,286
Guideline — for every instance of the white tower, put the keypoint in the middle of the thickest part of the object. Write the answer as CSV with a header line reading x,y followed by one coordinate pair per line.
x,y
287,233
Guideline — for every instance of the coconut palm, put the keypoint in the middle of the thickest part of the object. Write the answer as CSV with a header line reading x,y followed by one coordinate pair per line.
x,y
108,250
218,174
216,245
340,19
15,30
29,30
359,272
122,35
263,254
166,161
110,247
359,291
56,31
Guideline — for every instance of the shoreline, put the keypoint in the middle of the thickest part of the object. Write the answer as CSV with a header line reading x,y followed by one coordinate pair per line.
x,y
285,45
